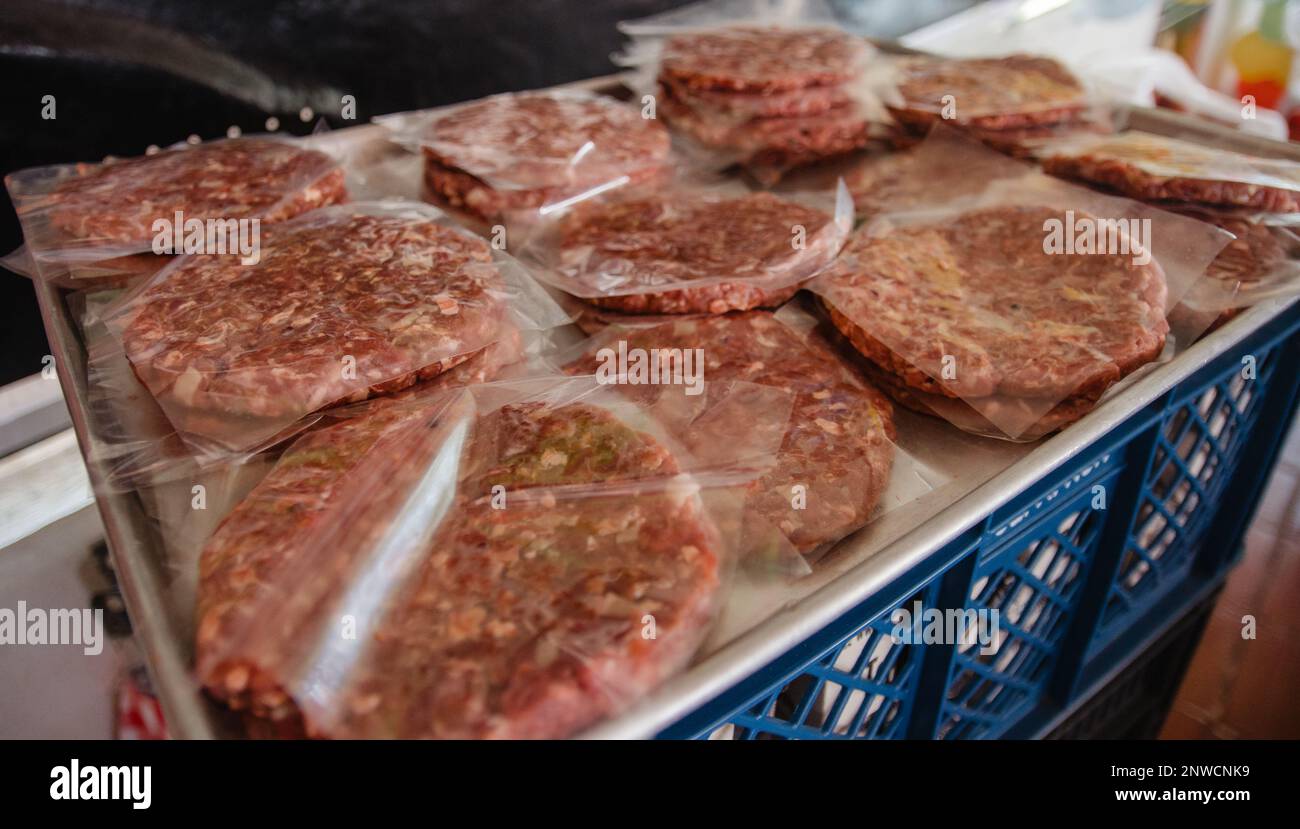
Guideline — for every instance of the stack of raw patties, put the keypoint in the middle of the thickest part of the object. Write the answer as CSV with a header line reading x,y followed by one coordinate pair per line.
x,y
506,154
768,98
1007,102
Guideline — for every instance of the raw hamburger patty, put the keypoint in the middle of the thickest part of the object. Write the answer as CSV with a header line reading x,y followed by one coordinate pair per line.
x,y
981,416
1023,142
913,179
264,534
462,191
1253,257
403,296
591,320
533,616
773,142
745,105
837,444
234,179
524,622
1015,320
1245,260
1153,167
524,150
741,249
888,181
759,59
991,93
291,502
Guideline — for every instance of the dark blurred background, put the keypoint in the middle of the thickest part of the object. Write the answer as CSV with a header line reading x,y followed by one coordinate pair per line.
x,y
126,74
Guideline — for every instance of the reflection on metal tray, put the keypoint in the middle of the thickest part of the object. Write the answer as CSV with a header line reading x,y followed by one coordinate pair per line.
x,y
982,475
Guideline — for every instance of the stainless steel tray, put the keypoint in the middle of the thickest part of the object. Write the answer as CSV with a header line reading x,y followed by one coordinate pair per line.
x,y
755,628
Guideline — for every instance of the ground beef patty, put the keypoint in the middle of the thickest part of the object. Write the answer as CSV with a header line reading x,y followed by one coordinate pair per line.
x,y
290,503
915,178
1153,168
401,295
523,622
741,106
741,251
241,178
979,288
991,93
837,443
1245,260
772,142
1023,142
524,150
890,181
1252,258
762,59
983,416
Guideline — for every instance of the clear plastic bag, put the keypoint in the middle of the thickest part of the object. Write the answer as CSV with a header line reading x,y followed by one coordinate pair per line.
x,y
1154,167
770,86
346,302
940,169
1024,142
1010,312
929,169
1009,92
689,249
84,214
1262,262
120,272
514,560
187,496
832,474
526,151
135,444
591,320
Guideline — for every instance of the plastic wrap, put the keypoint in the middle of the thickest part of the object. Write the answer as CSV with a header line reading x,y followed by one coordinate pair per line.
x,y
515,560
931,170
136,445
84,214
1023,142
768,86
123,271
187,496
936,171
527,151
591,320
346,302
1261,262
1010,92
1011,311
690,250
926,172
1154,167
832,474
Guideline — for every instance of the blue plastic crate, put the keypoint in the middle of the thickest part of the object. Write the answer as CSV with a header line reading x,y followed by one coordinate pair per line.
x,y
1080,582
1197,447
1031,576
860,687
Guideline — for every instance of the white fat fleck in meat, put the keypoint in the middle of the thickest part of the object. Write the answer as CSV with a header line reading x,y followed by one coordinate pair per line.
x,y
186,385
828,426
552,458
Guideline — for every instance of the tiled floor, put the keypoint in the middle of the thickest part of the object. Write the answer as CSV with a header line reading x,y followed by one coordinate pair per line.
x,y
1247,688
